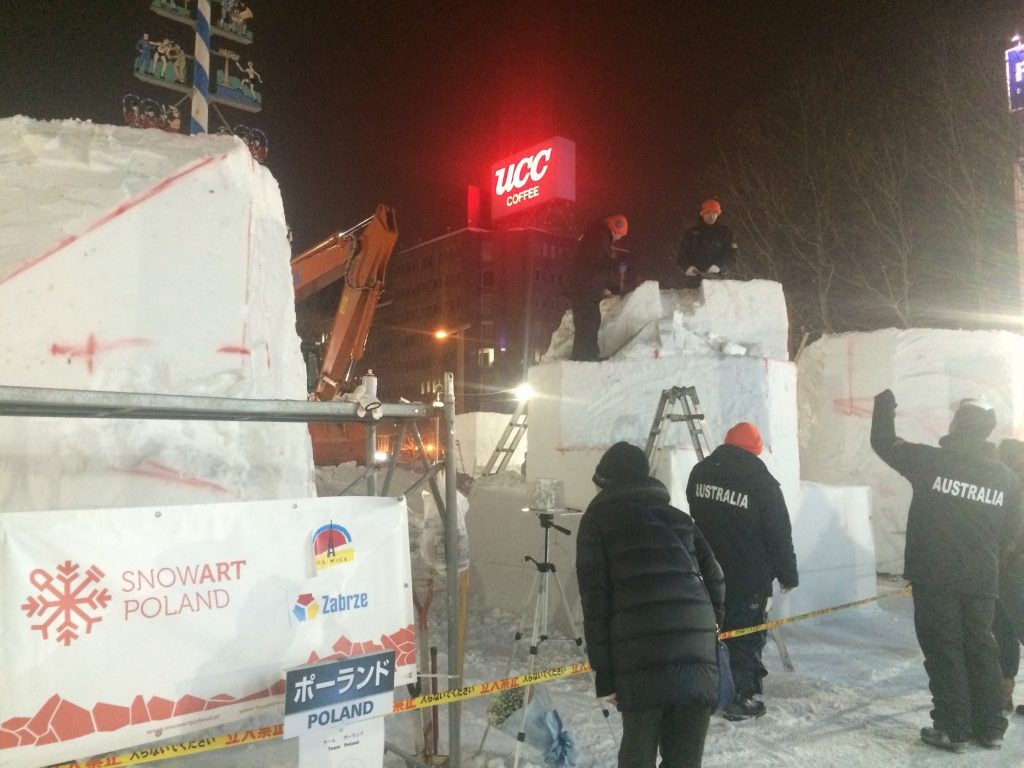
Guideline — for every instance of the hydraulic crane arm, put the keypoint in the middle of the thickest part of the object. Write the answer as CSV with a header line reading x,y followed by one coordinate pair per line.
x,y
359,257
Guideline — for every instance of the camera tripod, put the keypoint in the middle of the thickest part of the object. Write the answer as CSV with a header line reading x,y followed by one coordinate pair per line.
x,y
539,594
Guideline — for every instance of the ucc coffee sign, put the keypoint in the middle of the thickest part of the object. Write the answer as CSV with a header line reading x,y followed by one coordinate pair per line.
x,y
539,174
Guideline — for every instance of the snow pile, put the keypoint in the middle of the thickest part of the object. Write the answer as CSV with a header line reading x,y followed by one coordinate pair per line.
x,y
929,371
478,435
724,317
141,261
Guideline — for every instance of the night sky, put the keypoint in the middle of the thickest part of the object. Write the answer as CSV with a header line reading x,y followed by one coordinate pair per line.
x,y
404,102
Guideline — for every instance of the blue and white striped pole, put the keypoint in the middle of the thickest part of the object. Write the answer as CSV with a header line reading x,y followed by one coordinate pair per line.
x,y
201,70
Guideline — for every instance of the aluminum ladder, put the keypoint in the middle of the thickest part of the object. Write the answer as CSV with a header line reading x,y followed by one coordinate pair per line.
x,y
508,442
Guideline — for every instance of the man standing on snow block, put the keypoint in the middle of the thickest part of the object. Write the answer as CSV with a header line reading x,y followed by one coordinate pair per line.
x,y
588,277
707,248
648,620
965,507
740,508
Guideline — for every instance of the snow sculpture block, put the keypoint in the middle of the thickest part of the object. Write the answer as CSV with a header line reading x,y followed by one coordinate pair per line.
x,y
729,316
834,548
141,261
582,408
929,371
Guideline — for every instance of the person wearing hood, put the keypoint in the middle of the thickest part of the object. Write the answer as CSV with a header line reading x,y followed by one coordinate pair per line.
x,y
649,618
965,506
739,506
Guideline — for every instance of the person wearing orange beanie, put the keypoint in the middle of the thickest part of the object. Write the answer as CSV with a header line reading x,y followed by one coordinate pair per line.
x,y
589,272
739,506
708,248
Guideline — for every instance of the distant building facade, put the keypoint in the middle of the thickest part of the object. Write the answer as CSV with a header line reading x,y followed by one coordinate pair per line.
x,y
505,288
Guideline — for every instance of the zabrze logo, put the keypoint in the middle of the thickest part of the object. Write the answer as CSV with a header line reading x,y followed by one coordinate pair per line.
x,y
66,598
306,607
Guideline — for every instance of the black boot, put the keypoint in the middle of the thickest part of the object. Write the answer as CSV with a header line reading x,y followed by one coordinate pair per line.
x,y
743,708
936,737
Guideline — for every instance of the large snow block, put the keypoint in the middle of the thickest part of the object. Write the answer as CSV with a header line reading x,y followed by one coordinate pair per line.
x,y
140,261
745,317
589,406
835,551
929,371
501,535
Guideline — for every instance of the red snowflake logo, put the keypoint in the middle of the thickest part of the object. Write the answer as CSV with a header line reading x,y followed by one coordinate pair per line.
x,y
66,597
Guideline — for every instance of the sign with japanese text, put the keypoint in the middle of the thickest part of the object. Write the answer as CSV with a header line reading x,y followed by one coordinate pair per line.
x,y
122,626
539,174
335,693
359,745
1015,77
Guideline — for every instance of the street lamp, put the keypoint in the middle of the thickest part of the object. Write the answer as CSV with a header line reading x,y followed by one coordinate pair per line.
x,y
460,359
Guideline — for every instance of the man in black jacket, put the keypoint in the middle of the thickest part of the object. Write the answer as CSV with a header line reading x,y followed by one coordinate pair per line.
x,y
648,619
742,512
707,248
588,277
965,506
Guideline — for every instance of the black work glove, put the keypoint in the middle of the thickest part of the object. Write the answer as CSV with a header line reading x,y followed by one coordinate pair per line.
x,y
886,399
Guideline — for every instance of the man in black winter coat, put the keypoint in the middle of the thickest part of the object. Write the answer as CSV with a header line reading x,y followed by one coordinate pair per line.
x,y
648,619
965,507
742,512
588,278
1008,627
707,248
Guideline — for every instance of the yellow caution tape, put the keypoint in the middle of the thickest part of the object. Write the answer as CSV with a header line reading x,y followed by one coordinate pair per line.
x,y
801,617
493,686
180,748
195,746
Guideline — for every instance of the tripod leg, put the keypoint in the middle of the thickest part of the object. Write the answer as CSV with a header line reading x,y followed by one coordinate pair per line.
x,y
540,612
517,636
578,640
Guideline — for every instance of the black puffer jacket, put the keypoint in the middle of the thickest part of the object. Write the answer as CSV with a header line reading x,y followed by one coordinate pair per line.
x,y
740,508
648,621
706,245
965,509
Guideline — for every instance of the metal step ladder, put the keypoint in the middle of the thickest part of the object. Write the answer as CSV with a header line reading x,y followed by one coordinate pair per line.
x,y
508,442
677,404
682,404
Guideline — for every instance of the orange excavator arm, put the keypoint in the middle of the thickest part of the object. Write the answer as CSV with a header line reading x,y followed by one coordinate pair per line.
x,y
359,257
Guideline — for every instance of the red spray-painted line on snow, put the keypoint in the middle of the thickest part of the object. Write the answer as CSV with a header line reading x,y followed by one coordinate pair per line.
x,y
107,218
232,350
159,471
92,348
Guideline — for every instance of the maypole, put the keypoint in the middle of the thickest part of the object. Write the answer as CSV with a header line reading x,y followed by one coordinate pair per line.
x,y
201,70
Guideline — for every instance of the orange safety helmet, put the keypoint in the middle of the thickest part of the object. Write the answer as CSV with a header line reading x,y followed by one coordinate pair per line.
x,y
617,225
711,206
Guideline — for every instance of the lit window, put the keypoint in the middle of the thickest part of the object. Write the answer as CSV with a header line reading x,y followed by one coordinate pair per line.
x,y
485,357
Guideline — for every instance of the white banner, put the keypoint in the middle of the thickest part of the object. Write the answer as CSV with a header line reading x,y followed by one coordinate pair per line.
x,y
122,626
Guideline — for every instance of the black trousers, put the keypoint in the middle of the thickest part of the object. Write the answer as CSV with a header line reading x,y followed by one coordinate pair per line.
x,y
1008,641
679,731
586,321
745,651
962,662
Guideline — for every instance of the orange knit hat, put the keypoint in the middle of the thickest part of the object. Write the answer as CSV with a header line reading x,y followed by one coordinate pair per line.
x,y
617,224
746,436
711,206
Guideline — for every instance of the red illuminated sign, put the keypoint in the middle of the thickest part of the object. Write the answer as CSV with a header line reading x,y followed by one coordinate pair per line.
x,y
539,174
